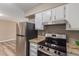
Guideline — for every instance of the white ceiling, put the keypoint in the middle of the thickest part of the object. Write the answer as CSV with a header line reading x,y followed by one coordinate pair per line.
x,y
26,6
15,11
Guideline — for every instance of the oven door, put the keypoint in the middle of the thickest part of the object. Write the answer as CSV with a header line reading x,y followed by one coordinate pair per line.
x,y
40,53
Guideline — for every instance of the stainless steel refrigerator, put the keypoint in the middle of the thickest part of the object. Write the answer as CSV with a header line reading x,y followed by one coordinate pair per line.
x,y
25,32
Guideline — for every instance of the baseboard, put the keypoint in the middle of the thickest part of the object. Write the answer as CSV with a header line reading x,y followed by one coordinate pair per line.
x,y
7,40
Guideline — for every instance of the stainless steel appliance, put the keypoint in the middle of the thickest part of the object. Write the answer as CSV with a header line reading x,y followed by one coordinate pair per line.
x,y
53,45
25,32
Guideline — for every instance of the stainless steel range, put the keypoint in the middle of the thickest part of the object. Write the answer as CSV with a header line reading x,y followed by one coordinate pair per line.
x,y
53,45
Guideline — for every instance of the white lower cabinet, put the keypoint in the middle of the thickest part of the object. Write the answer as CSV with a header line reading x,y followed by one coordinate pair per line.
x,y
33,49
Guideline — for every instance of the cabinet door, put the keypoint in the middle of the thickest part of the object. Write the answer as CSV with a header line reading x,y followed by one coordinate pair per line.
x,y
33,49
38,21
59,13
46,16
72,14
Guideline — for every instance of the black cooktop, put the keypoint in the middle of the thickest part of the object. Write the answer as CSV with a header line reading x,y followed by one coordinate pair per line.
x,y
57,47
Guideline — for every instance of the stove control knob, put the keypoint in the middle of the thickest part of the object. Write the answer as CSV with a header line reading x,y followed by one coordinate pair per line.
x,y
42,47
39,46
47,49
58,53
55,52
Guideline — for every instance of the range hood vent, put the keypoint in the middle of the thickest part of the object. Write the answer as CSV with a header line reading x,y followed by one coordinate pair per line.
x,y
55,22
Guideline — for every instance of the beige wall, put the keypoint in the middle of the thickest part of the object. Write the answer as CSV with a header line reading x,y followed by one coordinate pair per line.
x,y
7,30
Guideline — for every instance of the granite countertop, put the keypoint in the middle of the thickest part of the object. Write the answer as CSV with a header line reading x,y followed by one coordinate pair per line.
x,y
38,39
73,49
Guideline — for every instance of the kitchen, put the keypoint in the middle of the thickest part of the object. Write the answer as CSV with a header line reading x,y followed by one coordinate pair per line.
x,y
56,23
52,29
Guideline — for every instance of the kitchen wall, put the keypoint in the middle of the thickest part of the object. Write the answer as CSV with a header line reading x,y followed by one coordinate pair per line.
x,y
7,30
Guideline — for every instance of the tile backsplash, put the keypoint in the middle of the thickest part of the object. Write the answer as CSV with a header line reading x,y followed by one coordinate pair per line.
x,y
41,32
73,35
59,28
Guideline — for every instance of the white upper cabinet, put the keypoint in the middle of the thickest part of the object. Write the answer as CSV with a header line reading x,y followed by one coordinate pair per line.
x,y
60,13
72,15
47,16
38,21
69,12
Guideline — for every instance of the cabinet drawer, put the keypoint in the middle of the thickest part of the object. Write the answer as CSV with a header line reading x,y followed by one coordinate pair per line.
x,y
34,47
33,44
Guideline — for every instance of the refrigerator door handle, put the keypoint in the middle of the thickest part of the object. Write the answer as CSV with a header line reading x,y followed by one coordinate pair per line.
x,y
21,35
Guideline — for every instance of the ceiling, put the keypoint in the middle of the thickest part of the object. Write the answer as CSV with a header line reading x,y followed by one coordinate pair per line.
x,y
15,11
26,6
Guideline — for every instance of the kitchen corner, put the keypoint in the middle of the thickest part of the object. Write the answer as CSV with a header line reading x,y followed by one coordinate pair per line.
x,y
72,47
59,20
72,36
